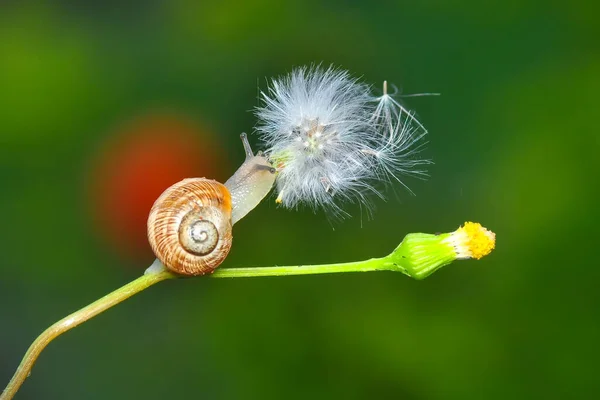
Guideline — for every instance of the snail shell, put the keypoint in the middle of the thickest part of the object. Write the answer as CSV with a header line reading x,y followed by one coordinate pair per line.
x,y
189,227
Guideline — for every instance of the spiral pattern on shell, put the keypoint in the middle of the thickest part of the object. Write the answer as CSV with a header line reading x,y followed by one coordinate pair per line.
x,y
189,227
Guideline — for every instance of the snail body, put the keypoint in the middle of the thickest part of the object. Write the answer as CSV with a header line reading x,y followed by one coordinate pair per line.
x,y
190,224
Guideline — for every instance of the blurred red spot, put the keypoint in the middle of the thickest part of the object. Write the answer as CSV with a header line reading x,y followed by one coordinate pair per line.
x,y
143,159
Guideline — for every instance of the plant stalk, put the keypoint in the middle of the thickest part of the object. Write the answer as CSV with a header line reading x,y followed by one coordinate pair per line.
x,y
373,264
74,319
417,256
158,274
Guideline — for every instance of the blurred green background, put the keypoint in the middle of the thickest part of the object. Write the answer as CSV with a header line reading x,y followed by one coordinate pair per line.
x,y
102,104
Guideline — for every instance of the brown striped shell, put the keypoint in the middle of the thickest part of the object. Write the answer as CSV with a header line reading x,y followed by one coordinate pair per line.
x,y
189,227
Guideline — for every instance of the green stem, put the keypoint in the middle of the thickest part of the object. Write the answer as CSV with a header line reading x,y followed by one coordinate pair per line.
x,y
72,320
374,264
156,274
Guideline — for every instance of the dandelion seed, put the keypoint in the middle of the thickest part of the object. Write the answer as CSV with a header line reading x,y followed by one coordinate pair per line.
x,y
333,141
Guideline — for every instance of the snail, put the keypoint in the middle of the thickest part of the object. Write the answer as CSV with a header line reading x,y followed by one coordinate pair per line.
x,y
189,226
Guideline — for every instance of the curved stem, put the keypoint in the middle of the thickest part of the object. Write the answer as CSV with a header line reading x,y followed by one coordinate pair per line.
x,y
155,274
74,319
417,256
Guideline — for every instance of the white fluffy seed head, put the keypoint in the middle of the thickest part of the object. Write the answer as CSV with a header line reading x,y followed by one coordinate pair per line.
x,y
332,141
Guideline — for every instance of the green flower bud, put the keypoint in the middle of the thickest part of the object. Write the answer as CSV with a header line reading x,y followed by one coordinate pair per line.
x,y
421,254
